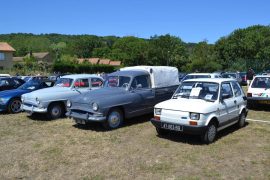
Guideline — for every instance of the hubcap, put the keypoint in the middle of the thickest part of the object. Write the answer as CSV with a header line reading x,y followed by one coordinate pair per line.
x,y
211,133
114,119
16,106
56,110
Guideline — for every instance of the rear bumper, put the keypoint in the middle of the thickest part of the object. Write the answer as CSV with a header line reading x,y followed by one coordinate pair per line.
x,y
195,130
85,116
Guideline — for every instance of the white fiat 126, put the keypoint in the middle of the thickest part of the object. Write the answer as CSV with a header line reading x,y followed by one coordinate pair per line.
x,y
202,107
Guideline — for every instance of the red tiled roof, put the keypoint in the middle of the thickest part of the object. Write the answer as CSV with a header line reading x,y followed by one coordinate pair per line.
x,y
6,47
81,60
104,61
115,63
39,55
93,60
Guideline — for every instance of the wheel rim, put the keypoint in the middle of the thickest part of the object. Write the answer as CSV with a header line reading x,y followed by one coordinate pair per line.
x,y
114,119
56,111
212,133
15,106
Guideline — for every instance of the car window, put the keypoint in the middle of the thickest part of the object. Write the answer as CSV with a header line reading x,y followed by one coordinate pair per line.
x,y
140,82
261,82
64,82
226,90
4,82
236,89
81,83
96,82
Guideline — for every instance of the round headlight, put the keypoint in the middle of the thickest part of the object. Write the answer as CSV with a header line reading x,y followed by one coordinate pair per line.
x,y
95,106
69,103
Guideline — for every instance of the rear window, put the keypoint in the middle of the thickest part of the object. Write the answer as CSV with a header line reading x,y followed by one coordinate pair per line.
x,y
229,75
261,82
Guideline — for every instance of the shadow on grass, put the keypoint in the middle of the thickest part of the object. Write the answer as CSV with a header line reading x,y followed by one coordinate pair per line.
x,y
195,139
97,126
259,107
39,117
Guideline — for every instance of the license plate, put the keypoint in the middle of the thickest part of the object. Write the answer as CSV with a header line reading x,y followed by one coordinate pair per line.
x,y
80,121
264,102
172,127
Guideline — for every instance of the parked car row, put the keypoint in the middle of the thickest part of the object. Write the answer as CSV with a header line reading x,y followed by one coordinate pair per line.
x,y
202,103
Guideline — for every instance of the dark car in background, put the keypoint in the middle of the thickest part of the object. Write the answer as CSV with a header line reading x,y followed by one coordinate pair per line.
x,y
10,100
244,78
7,83
233,75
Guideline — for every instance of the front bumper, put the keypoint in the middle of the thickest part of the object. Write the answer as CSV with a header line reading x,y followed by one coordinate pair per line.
x,y
195,130
85,116
33,109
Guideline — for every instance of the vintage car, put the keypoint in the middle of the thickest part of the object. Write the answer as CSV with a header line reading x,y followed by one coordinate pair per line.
x,y
202,107
10,100
52,101
130,92
259,91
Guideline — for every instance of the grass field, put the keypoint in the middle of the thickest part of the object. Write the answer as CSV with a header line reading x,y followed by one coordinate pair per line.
x,y
41,149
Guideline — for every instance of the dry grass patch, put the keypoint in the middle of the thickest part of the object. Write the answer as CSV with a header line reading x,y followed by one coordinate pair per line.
x,y
39,149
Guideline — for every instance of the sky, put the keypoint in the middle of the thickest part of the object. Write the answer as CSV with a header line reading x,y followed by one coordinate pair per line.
x,y
190,20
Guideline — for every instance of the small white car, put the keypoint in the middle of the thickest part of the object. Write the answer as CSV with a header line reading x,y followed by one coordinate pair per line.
x,y
202,107
201,75
259,91
52,101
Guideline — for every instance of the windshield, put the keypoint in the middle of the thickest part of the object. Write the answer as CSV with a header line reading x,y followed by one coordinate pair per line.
x,y
261,82
30,85
229,75
63,82
118,81
197,90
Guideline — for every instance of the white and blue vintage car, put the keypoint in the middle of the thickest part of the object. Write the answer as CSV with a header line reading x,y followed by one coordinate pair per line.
x,y
52,101
130,92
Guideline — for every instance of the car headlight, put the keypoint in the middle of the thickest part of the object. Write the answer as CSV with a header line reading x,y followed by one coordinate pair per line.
x,y
69,103
194,116
38,101
158,111
95,106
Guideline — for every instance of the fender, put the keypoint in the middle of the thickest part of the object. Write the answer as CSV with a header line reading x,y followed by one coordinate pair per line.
x,y
212,115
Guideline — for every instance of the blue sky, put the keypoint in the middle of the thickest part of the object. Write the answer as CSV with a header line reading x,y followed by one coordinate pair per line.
x,y
191,20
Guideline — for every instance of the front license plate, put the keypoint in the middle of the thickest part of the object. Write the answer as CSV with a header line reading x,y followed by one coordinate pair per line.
x,y
172,127
264,102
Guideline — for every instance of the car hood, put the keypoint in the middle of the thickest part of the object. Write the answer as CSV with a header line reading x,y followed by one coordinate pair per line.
x,y
96,95
13,92
188,105
50,90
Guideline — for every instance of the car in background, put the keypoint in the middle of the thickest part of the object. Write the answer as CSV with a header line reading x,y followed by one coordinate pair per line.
x,y
7,83
259,91
234,75
52,101
201,75
244,78
202,107
10,100
181,76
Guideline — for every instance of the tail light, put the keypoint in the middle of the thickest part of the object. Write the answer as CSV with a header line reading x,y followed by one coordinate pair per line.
x,y
249,94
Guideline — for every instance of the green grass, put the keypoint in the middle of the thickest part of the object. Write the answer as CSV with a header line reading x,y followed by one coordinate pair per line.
x,y
40,149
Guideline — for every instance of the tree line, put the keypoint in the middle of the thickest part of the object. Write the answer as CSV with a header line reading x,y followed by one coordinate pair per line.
x,y
235,52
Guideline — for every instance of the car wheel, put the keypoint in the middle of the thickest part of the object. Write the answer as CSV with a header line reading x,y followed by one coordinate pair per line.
x,y
161,132
114,119
55,111
14,106
242,120
210,133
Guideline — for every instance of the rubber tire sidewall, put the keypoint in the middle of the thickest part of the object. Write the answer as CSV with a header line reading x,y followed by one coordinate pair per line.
x,y
205,138
240,125
106,123
50,115
9,105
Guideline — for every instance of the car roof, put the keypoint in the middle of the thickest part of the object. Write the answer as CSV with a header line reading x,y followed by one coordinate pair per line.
x,y
214,80
201,73
129,73
74,76
263,76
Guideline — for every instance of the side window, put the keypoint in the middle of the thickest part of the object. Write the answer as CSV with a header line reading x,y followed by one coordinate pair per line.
x,y
4,83
96,82
81,83
141,82
236,89
226,90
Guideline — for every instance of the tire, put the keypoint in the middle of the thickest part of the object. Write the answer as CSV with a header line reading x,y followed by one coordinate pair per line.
x,y
242,120
14,106
55,111
161,132
114,119
210,134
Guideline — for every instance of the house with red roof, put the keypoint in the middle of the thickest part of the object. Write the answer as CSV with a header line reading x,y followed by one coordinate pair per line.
x,y
6,55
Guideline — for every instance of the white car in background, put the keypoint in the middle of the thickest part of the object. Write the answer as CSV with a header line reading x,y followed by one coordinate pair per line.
x,y
201,75
202,107
52,101
259,91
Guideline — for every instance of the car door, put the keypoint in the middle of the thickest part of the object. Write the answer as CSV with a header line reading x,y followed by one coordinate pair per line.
x,y
82,85
227,105
238,96
143,94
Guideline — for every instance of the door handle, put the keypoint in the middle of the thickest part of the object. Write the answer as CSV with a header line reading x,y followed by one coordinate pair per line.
x,y
235,101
